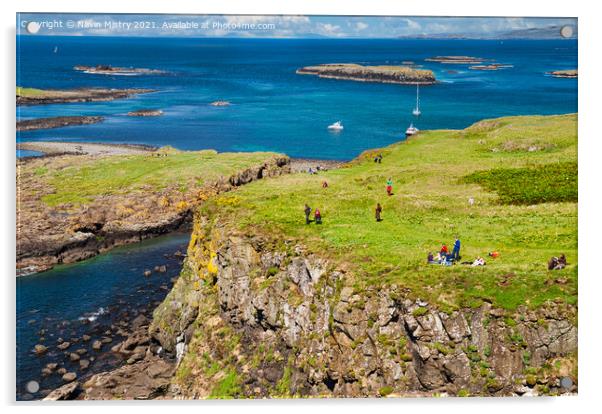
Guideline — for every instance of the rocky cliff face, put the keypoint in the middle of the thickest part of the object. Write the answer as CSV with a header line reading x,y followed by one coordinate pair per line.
x,y
47,237
251,317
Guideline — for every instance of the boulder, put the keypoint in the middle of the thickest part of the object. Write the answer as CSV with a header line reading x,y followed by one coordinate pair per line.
x,y
40,349
66,392
69,376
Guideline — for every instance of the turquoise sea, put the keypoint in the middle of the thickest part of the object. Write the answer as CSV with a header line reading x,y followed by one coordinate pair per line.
x,y
275,109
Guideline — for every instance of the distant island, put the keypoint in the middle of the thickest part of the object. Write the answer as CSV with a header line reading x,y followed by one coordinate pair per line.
x,y
571,73
456,59
115,70
493,66
385,74
56,122
146,112
32,96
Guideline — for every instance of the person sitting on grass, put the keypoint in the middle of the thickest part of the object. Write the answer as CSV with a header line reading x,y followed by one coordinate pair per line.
x,y
443,250
479,261
494,254
324,184
389,186
307,211
317,217
430,259
378,211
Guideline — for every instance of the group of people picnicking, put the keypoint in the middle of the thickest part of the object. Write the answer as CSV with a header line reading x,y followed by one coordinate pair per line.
x,y
443,256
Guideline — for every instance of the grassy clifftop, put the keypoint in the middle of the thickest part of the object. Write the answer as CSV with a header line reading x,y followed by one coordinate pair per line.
x,y
520,171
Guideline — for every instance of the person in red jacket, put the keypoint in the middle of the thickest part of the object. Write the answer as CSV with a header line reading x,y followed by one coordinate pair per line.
x,y
443,250
317,217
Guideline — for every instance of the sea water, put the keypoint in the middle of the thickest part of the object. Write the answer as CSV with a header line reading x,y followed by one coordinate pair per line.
x,y
272,108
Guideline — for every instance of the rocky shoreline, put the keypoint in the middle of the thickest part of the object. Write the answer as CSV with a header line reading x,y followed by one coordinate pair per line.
x,y
403,75
83,148
47,237
45,97
57,122
71,352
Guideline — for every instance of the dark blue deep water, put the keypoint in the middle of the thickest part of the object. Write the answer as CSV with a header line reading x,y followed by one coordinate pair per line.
x,y
275,109
88,298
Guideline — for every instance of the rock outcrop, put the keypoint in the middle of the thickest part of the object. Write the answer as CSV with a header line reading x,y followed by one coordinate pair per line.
x,y
44,97
273,320
384,74
47,237
56,122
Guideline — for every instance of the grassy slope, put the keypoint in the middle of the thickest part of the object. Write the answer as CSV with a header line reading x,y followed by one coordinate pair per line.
x,y
429,207
123,174
29,92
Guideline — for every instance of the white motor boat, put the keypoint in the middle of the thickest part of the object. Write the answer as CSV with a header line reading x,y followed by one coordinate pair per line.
x,y
337,126
412,130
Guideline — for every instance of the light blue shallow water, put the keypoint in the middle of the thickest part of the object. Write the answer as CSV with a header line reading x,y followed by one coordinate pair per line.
x,y
275,109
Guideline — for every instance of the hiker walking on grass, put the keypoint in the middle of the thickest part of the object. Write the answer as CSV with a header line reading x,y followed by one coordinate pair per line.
x,y
307,211
318,217
456,250
389,186
378,211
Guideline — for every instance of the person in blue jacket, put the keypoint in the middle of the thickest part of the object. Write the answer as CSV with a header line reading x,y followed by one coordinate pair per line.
x,y
456,250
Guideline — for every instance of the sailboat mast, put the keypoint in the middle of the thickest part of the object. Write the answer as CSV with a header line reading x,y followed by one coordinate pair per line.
x,y
417,96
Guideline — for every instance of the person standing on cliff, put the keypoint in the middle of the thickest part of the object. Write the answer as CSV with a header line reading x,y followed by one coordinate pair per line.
x,y
378,211
307,211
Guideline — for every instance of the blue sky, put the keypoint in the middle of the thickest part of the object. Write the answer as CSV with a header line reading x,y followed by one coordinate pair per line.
x,y
274,26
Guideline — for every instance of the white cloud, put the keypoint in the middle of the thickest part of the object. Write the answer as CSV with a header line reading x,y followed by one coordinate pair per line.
x,y
361,26
412,24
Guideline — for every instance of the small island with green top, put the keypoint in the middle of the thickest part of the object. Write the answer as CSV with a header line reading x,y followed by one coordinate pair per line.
x,y
404,75
33,96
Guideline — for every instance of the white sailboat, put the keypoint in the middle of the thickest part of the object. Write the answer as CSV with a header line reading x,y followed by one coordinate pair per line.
x,y
416,111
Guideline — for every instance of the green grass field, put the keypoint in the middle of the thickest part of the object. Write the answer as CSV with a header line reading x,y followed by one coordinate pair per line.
x,y
29,92
432,185
82,182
